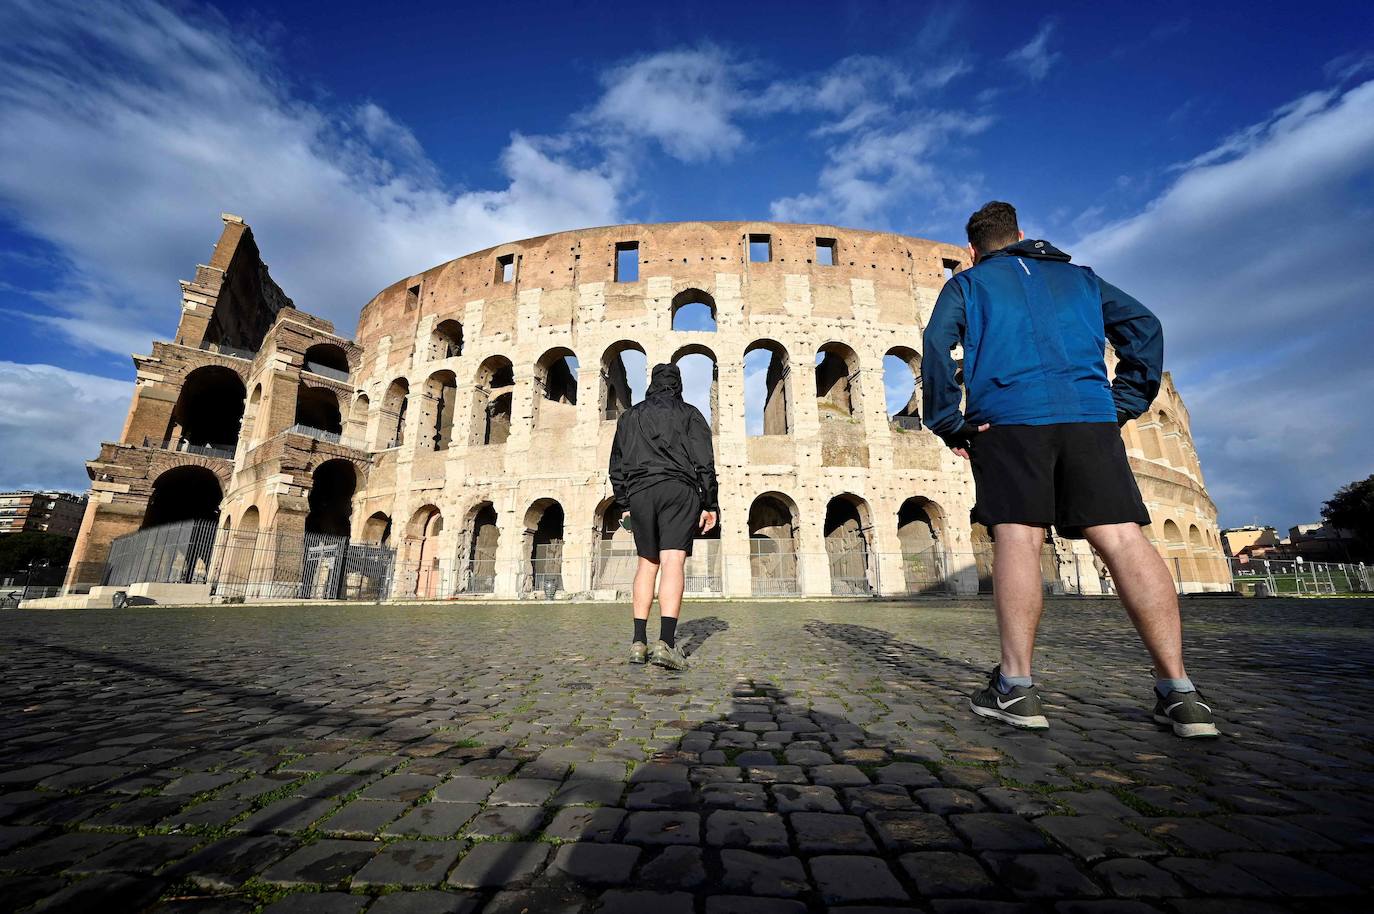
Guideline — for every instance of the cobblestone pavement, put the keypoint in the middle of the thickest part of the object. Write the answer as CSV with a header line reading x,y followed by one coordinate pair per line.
x,y
817,756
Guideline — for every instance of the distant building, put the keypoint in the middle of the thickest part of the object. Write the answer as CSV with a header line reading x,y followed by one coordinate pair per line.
x,y
1319,542
1249,542
43,512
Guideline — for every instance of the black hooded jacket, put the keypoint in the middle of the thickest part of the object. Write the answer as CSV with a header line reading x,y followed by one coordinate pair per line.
x,y
663,437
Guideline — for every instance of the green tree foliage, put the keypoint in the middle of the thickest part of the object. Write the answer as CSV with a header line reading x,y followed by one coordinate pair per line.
x,y
18,549
1352,508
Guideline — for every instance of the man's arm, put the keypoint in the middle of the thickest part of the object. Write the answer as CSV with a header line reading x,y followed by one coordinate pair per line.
x,y
1138,338
940,393
703,458
617,465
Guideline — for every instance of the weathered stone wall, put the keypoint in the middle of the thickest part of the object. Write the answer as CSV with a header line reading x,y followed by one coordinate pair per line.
x,y
563,298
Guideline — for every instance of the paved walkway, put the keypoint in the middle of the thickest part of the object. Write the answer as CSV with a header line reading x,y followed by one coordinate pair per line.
x,y
817,757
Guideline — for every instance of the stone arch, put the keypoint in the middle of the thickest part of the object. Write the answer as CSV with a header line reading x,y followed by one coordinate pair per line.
x,y
555,388
188,492
1181,565
237,568
920,523
332,485
422,548
437,408
446,340
327,359
837,389
902,384
615,547
358,413
318,408
544,532
484,538
980,541
847,529
696,389
396,402
377,529
209,409
768,403
693,309
492,401
773,525
252,415
624,376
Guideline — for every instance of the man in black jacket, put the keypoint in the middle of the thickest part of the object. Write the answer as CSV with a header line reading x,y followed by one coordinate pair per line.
x,y
663,469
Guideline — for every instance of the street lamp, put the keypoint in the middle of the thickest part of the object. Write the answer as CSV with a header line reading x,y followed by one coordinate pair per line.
x,y
28,578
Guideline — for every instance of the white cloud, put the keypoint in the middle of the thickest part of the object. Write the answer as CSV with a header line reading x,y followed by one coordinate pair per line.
x,y
40,407
129,127
1034,57
1257,260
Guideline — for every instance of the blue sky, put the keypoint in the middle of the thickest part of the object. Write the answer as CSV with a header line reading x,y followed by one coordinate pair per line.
x,y
1214,160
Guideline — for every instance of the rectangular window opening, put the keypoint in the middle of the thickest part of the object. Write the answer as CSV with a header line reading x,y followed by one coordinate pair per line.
x,y
825,252
505,268
627,261
412,298
949,267
760,248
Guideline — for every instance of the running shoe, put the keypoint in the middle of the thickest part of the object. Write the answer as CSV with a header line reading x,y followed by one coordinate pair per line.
x,y
1020,707
670,658
1186,712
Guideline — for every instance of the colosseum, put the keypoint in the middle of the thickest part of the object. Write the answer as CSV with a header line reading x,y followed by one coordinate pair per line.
x,y
457,445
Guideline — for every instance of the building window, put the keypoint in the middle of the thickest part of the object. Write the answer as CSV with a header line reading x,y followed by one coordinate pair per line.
x,y
412,298
950,267
627,261
825,252
760,248
505,268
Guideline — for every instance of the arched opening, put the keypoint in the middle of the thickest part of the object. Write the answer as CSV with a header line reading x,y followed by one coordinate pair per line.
x,y
1200,556
980,539
441,396
918,533
544,545
767,397
492,401
483,541
238,566
902,387
1180,566
377,529
837,389
252,416
447,340
694,309
328,359
318,408
209,409
615,549
183,493
624,377
700,379
331,498
392,428
773,545
846,545
555,389
422,533
357,417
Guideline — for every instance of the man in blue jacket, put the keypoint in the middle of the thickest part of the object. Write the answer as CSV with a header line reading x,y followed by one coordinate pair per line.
x,y
1042,432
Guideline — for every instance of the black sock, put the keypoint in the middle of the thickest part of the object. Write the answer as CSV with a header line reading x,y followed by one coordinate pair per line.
x,y
642,631
667,631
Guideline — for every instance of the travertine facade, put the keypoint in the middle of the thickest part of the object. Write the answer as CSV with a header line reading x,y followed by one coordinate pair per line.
x,y
452,429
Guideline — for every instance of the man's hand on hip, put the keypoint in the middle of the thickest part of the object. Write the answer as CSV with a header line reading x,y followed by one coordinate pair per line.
x,y
707,521
963,451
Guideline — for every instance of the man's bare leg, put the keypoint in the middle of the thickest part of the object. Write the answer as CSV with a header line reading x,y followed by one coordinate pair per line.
x,y
1147,590
671,582
1017,592
643,591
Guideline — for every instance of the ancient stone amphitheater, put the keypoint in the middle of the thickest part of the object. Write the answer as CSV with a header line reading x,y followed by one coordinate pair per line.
x,y
457,445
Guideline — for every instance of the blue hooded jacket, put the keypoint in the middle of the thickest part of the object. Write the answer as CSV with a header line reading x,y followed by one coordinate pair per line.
x,y
1034,328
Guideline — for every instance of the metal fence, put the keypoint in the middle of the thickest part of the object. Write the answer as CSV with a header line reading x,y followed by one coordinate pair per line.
x,y
1295,577
182,446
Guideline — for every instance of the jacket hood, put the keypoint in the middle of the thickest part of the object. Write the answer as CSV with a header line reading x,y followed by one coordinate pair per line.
x,y
1031,247
665,380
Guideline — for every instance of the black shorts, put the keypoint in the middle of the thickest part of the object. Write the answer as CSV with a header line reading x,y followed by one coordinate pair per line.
x,y
664,516
1071,476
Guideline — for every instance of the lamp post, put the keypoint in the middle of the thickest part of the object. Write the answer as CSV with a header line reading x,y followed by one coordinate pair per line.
x,y
28,578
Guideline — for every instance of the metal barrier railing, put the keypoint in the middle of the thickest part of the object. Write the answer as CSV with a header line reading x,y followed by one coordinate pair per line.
x,y
182,446
1298,577
320,434
326,371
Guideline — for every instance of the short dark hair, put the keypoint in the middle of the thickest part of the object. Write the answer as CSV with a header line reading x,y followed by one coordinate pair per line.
x,y
993,227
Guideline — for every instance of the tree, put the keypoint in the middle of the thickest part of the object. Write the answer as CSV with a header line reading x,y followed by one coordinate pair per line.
x,y
1352,508
18,549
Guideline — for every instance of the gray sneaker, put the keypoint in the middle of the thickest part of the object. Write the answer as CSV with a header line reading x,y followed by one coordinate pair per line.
x,y
1020,707
1186,712
639,652
670,658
